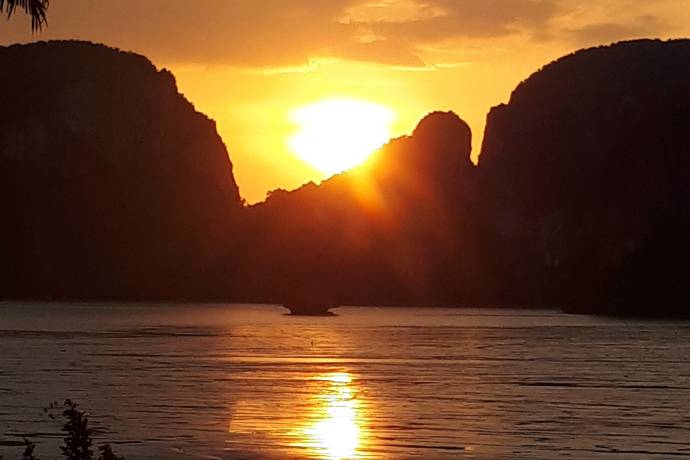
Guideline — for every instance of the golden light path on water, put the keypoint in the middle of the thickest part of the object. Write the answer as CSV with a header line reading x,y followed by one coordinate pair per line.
x,y
320,416
336,432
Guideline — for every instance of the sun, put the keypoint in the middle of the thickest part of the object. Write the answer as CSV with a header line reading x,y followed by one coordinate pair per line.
x,y
337,134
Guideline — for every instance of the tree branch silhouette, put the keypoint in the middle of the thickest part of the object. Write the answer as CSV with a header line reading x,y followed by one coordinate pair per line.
x,y
37,9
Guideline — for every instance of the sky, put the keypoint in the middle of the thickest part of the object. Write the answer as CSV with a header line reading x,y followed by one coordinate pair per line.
x,y
248,64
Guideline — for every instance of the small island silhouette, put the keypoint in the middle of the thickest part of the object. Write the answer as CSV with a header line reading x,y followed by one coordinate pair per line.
x,y
310,308
113,187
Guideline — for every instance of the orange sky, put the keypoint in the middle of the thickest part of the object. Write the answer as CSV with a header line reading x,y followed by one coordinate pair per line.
x,y
248,63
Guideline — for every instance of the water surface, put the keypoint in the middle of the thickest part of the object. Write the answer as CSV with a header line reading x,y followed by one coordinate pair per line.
x,y
248,382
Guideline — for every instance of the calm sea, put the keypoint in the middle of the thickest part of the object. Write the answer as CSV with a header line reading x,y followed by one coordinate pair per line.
x,y
248,382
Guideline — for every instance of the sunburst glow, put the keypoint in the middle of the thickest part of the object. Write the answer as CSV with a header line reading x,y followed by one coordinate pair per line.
x,y
337,134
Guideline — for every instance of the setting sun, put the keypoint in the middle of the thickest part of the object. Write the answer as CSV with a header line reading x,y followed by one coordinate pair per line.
x,y
338,134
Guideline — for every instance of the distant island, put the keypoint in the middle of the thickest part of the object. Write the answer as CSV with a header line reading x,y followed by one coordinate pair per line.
x,y
113,187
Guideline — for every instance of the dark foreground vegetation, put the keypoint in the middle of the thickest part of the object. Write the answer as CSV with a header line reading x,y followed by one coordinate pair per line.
x,y
78,442
113,187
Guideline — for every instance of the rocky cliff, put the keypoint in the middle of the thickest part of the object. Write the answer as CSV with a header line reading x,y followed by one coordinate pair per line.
x,y
586,176
397,230
111,184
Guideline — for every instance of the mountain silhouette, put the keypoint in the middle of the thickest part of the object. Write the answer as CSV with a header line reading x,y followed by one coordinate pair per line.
x,y
393,231
111,184
586,174
114,187
580,200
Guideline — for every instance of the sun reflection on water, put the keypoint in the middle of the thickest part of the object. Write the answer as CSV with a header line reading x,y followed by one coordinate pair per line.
x,y
320,417
335,432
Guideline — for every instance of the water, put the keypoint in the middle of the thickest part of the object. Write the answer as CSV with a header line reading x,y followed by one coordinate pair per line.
x,y
247,382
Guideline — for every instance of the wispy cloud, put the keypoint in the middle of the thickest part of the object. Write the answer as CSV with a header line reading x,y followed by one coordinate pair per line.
x,y
291,36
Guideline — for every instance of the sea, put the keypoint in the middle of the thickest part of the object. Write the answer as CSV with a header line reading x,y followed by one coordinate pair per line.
x,y
225,381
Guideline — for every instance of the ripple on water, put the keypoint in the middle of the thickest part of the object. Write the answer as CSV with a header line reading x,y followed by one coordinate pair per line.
x,y
210,381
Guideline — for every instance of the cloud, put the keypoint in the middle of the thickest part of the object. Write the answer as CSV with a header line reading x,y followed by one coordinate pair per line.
x,y
237,32
470,18
290,34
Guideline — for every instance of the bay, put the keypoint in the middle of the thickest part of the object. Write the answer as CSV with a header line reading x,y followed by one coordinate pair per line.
x,y
249,382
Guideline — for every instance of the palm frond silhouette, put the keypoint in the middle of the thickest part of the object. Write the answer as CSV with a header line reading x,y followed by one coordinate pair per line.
x,y
37,9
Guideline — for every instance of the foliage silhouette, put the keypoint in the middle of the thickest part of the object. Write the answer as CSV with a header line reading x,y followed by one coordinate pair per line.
x,y
78,440
37,9
108,454
77,443
28,453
